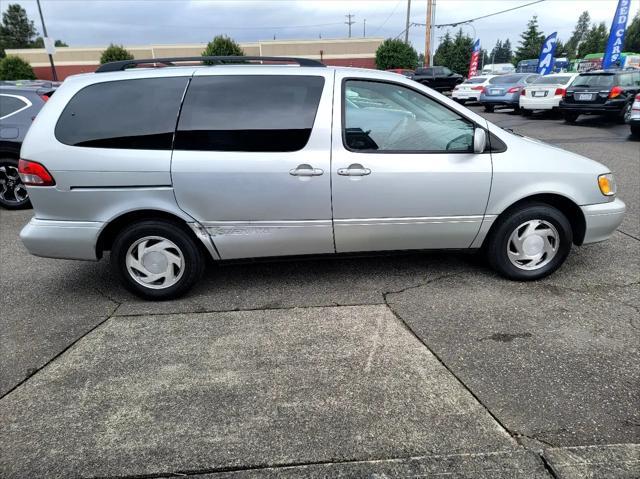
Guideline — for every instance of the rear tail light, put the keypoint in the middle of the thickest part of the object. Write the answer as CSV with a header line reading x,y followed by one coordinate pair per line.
x,y
560,92
485,90
478,88
523,92
45,98
34,174
615,91
513,89
638,97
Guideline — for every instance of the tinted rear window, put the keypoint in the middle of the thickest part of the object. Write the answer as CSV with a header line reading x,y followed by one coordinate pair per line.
x,y
506,79
249,113
134,114
476,80
9,105
552,80
594,81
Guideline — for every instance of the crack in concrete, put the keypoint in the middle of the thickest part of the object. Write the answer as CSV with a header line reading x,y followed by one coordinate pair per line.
x,y
628,234
32,372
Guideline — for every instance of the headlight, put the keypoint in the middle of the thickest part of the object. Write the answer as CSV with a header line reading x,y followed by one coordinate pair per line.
x,y
607,184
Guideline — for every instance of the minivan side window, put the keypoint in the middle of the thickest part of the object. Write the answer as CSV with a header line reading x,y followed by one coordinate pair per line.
x,y
387,117
131,114
266,113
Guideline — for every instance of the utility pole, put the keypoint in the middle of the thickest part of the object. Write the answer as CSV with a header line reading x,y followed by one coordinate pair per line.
x,y
350,22
427,37
54,75
364,28
406,30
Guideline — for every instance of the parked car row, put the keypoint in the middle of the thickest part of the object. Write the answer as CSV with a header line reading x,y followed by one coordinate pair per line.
x,y
613,93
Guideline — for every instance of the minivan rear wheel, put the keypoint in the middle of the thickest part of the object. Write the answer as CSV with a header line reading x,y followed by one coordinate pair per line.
x,y
156,260
530,242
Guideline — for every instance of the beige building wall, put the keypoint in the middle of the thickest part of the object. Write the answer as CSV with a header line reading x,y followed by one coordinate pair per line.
x,y
325,49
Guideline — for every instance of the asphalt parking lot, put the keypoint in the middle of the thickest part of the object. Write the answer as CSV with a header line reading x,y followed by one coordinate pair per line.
x,y
418,365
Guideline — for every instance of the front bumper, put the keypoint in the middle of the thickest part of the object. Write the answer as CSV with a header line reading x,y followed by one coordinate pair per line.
x,y
602,220
61,239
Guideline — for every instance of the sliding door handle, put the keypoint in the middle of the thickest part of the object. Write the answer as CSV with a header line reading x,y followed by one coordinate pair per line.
x,y
306,170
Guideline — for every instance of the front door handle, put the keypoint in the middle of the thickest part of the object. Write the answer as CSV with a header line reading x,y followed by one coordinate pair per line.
x,y
306,170
355,169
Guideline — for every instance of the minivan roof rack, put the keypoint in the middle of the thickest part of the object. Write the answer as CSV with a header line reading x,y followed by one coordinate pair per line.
x,y
217,60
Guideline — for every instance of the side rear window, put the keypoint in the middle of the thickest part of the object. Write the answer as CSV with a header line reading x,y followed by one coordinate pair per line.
x,y
249,113
9,105
129,114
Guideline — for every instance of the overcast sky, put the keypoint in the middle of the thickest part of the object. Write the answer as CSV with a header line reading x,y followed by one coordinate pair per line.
x,y
140,22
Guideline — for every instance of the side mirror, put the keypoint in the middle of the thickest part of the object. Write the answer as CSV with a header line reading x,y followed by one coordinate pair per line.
x,y
479,140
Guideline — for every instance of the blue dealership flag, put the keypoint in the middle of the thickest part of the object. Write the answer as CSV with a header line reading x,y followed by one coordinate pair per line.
x,y
547,52
616,36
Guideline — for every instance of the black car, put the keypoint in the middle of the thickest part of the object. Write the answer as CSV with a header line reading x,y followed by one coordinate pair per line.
x,y
604,92
438,78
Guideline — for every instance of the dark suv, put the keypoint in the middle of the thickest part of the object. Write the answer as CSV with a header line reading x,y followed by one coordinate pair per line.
x,y
20,102
605,92
438,78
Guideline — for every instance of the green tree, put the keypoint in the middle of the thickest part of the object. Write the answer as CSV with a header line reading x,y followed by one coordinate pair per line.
x,y
632,37
578,36
501,52
561,49
16,31
15,68
115,53
442,55
461,53
39,43
60,43
595,40
395,54
222,46
531,41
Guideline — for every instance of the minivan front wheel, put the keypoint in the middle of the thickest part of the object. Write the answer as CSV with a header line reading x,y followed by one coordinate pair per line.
x,y
530,243
156,259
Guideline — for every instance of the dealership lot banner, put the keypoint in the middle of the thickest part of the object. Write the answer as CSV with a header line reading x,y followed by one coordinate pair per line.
x,y
475,54
546,58
616,36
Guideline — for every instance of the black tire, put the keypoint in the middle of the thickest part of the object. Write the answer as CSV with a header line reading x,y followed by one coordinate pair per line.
x,y
498,242
625,114
516,109
570,117
489,108
13,195
462,102
526,112
193,258
635,130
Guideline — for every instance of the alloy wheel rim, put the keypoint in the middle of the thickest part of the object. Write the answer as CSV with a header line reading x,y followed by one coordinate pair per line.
x,y
533,245
627,113
155,262
12,190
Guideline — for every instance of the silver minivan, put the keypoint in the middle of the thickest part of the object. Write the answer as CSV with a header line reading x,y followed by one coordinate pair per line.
x,y
164,167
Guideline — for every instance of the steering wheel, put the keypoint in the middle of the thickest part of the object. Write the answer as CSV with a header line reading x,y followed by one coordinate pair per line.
x,y
459,137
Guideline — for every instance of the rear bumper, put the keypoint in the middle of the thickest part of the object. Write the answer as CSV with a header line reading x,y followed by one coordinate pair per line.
x,y
511,99
602,220
61,239
603,108
463,95
543,103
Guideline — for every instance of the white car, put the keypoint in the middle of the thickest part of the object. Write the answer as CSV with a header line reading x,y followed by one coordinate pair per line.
x,y
545,92
498,69
470,90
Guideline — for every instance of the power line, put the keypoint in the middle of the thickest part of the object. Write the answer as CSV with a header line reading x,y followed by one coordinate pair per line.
x,y
387,19
455,24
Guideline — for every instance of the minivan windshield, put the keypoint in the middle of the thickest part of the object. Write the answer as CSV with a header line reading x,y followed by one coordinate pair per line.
x,y
506,79
594,80
552,80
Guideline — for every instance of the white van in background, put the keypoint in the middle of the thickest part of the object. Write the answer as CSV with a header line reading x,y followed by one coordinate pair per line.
x,y
498,69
